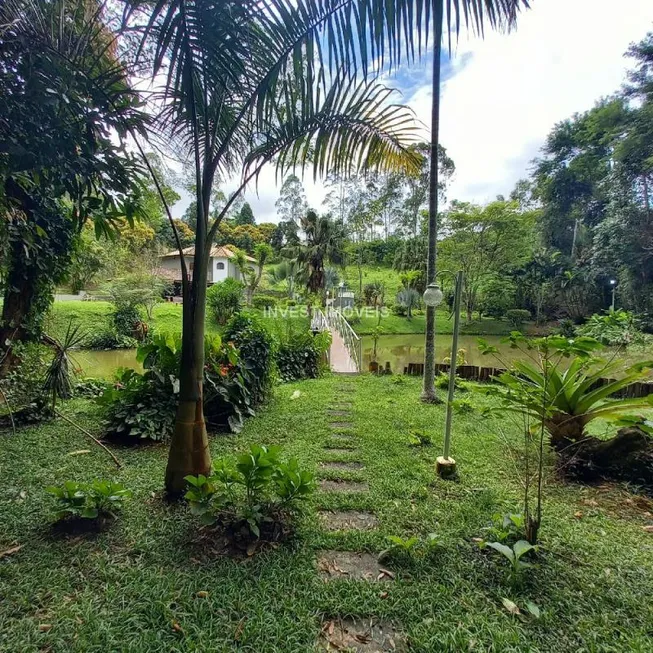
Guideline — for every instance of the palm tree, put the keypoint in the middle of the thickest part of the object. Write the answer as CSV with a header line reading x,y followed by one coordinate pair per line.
x,y
251,81
287,271
324,244
498,14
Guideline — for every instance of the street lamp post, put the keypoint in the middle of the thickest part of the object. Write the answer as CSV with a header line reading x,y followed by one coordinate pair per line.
x,y
445,465
613,283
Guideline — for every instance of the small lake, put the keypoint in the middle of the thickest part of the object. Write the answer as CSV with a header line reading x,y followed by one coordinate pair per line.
x,y
403,349
103,364
398,349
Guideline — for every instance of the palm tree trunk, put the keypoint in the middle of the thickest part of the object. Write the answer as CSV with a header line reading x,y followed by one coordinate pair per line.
x,y
428,389
189,448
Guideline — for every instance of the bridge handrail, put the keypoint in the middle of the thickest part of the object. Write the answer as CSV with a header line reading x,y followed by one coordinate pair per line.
x,y
353,343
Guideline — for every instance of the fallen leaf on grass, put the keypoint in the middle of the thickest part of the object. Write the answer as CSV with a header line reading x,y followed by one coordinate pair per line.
x,y
533,609
296,394
239,630
11,551
510,606
383,595
45,627
202,594
647,529
578,515
176,626
79,452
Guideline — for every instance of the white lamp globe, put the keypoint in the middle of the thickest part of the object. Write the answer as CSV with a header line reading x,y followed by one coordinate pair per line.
x,y
433,295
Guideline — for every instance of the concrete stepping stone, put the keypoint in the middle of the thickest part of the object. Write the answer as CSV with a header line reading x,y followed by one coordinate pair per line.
x,y
348,520
343,437
341,425
361,635
340,485
349,466
355,565
332,412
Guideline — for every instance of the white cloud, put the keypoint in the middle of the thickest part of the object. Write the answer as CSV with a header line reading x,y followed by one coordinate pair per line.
x,y
508,91
496,113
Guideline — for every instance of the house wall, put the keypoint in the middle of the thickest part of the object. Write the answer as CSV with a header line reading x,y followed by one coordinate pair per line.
x,y
220,274
174,263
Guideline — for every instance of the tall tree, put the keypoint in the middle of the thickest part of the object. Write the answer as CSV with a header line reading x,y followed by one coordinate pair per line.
x,y
65,107
292,205
498,13
233,101
324,244
245,215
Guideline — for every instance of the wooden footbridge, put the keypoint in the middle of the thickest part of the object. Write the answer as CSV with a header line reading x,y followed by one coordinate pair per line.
x,y
346,353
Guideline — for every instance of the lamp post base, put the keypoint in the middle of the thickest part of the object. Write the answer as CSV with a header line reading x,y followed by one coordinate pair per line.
x,y
445,467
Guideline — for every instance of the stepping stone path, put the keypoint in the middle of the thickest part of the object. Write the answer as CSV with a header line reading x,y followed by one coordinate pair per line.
x,y
340,485
346,466
360,635
348,520
366,635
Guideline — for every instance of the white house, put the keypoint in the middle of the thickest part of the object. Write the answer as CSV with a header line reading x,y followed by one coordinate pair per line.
x,y
221,264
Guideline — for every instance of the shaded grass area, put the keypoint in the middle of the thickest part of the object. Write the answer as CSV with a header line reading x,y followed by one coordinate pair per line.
x,y
136,586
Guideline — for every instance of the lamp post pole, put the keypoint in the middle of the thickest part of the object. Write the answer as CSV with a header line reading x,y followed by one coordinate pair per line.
x,y
613,283
446,466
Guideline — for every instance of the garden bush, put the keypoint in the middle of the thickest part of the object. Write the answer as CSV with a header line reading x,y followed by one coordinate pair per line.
x,y
109,339
143,406
301,356
253,498
96,500
264,301
613,328
258,348
225,299
126,320
517,316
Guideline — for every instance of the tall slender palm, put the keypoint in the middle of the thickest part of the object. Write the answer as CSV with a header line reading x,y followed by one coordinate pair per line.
x,y
251,81
498,14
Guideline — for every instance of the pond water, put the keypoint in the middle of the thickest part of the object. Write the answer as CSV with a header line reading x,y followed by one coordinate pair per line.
x,y
103,364
403,349
398,349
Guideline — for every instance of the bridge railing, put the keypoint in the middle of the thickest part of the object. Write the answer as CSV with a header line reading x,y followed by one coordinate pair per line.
x,y
353,343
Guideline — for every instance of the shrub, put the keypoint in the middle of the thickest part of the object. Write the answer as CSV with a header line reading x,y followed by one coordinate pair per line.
x,y
409,299
517,316
225,299
614,328
373,293
264,301
143,406
253,497
257,347
109,339
301,356
567,328
99,499
498,297
126,320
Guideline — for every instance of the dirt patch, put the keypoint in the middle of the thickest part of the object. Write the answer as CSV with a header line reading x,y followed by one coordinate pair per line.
x,y
329,485
351,564
341,425
348,520
347,466
368,635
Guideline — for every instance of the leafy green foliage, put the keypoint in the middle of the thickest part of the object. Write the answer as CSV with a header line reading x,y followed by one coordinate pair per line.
x,y
254,492
60,376
613,328
412,548
257,347
264,301
566,397
225,299
88,500
517,316
300,356
514,556
126,320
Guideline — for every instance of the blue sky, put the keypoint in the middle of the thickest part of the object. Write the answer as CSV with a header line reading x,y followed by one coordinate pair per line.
x,y
502,95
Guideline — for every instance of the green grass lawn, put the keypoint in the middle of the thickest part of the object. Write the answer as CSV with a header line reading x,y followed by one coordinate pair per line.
x,y
396,324
135,587
95,316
